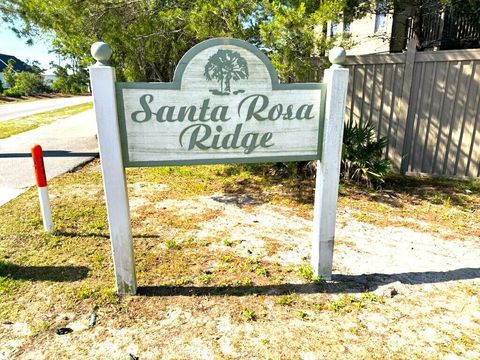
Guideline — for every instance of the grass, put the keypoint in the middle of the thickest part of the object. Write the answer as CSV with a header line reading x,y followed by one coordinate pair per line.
x,y
249,315
203,274
448,207
306,271
349,303
285,300
17,126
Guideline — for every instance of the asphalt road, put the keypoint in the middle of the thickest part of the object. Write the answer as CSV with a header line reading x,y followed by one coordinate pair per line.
x,y
66,144
20,109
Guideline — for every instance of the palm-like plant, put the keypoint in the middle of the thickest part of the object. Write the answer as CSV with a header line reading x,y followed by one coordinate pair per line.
x,y
362,154
224,66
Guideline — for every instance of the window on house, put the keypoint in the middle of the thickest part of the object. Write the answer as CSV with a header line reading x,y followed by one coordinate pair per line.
x,y
333,28
381,16
346,27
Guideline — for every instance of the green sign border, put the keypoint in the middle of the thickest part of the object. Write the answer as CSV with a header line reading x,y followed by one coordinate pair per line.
x,y
176,85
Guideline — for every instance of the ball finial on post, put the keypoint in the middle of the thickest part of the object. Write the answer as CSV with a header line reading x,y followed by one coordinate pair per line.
x,y
101,52
337,56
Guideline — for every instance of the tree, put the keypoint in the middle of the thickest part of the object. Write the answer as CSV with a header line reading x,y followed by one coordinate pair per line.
x,y
35,67
28,83
224,66
148,37
294,32
70,80
9,73
425,16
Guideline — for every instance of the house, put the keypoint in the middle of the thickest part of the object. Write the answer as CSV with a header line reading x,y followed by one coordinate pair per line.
x,y
435,27
369,34
48,79
18,66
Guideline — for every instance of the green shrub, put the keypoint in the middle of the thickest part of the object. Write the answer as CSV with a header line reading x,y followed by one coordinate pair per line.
x,y
59,85
27,83
70,83
362,154
12,93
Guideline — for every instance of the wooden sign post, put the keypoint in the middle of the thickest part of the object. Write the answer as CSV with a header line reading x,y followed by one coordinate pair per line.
x,y
225,105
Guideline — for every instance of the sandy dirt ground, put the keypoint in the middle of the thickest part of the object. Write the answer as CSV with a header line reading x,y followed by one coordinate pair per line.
x,y
396,293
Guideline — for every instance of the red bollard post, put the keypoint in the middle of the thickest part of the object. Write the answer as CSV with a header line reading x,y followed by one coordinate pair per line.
x,y
37,155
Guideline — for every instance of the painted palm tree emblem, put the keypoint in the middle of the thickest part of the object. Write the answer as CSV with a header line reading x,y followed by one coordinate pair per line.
x,y
225,66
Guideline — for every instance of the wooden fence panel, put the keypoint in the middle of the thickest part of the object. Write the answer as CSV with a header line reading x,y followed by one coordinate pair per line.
x,y
457,122
466,133
392,74
427,104
472,167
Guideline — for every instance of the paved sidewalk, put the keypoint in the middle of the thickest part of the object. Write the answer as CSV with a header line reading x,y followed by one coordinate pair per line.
x,y
66,144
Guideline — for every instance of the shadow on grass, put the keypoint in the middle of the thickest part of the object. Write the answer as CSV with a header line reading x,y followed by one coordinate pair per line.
x,y
43,273
239,290
436,190
339,284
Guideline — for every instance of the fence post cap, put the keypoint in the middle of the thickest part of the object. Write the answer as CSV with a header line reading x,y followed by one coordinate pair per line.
x,y
102,52
337,55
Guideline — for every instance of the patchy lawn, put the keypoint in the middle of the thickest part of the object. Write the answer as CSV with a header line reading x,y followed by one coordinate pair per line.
x,y
222,257
17,126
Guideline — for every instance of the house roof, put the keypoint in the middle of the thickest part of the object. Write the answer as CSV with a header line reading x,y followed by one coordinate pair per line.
x,y
19,65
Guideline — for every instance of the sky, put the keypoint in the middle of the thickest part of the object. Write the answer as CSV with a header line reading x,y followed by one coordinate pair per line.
x,y
10,44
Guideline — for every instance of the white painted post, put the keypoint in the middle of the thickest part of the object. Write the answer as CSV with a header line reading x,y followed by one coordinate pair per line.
x,y
45,209
102,79
328,168
41,177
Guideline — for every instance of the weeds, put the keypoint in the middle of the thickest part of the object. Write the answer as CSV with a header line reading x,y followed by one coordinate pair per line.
x,y
302,315
260,271
184,280
227,242
39,327
245,282
306,271
6,285
172,244
348,303
286,300
254,265
370,297
226,258
206,278
100,296
249,315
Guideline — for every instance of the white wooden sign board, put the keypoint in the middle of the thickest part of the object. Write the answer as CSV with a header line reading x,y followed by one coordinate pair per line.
x,y
224,105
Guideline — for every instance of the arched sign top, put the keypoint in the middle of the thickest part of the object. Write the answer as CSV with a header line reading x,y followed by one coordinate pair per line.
x,y
227,46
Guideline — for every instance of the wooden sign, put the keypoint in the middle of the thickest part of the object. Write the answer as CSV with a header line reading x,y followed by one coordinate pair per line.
x,y
225,104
